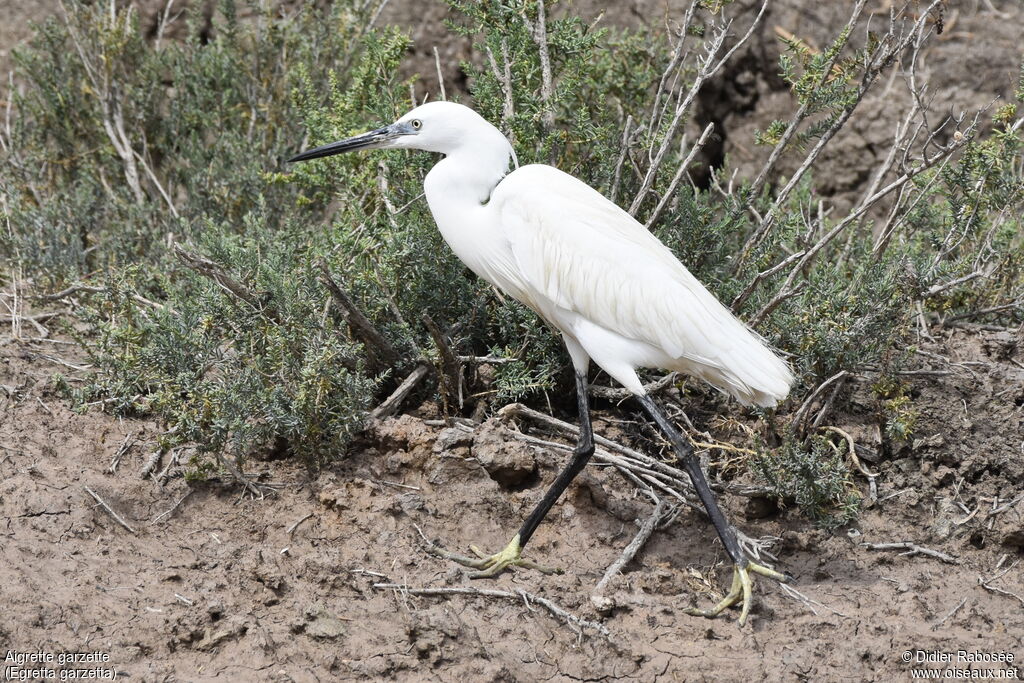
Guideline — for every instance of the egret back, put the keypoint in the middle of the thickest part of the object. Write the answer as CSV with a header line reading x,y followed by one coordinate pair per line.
x,y
572,249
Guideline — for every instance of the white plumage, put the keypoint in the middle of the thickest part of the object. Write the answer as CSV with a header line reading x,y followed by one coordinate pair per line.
x,y
616,293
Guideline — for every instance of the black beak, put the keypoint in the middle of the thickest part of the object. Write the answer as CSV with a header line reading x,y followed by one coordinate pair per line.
x,y
365,141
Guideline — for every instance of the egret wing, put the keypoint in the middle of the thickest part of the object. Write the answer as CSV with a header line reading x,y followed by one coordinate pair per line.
x,y
576,250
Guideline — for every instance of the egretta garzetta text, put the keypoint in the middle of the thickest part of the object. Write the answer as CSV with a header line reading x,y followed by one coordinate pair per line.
x,y
618,296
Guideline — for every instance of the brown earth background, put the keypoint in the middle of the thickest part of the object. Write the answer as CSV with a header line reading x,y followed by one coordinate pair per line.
x,y
212,584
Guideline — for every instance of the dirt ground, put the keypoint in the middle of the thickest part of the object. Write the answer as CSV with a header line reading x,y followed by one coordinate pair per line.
x,y
213,584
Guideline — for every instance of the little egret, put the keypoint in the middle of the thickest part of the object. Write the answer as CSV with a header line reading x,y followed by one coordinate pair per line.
x,y
618,296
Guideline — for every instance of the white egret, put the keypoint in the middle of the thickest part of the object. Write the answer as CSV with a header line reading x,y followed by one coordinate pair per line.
x,y
618,296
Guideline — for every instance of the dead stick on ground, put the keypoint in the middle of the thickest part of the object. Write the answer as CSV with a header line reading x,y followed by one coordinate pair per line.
x,y
173,508
1000,591
935,627
912,549
151,463
635,545
110,511
129,441
987,583
808,602
293,527
519,596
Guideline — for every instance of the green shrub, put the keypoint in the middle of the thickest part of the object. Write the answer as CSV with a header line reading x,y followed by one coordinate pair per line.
x,y
814,476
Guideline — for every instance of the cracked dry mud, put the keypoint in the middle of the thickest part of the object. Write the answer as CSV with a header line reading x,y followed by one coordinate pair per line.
x,y
219,588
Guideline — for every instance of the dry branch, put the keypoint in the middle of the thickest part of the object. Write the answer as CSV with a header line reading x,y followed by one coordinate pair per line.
x,y
218,274
504,77
293,527
671,191
911,549
707,68
173,507
522,596
129,441
539,32
378,348
652,471
451,369
110,510
391,403
622,394
644,533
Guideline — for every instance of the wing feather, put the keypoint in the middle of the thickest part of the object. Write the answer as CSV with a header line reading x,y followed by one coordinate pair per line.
x,y
576,250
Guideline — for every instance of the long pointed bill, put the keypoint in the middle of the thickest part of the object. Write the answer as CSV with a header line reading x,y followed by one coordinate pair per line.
x,y
374,138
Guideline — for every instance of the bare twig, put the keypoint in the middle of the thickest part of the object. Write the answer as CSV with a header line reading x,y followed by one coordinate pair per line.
x,y
935,290
391,403
247,485
800,414
763,275
173,508
791,129
1006,506
622,394
936,625
651,470
377,347
293,527
642,535
539,32
577,623
504,78
787,290
440,76
707,68
911,549
218,274
451,369
671,191
623,151
110,510
808,602
129,440
987,583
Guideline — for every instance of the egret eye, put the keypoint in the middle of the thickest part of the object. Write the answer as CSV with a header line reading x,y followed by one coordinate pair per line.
x,y
416,124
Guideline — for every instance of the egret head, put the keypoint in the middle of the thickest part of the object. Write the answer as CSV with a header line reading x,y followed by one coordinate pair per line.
x,y
444,127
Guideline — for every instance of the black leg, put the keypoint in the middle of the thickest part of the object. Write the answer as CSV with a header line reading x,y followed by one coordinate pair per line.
x,y
511,555
686,457
584,449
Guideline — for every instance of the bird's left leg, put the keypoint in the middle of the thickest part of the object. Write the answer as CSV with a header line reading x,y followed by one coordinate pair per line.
x,y
741,583
511,555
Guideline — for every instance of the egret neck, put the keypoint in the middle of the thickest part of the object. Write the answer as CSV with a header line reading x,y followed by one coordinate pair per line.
x,y
458,189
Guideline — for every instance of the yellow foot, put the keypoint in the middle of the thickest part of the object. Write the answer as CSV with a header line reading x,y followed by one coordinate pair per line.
x,y
492,565
741,589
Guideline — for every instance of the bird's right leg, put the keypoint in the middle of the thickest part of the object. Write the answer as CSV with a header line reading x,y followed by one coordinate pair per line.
x,y
742,586
511,555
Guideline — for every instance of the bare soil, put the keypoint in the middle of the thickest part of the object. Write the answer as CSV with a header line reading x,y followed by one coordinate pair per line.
x,y
219,588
